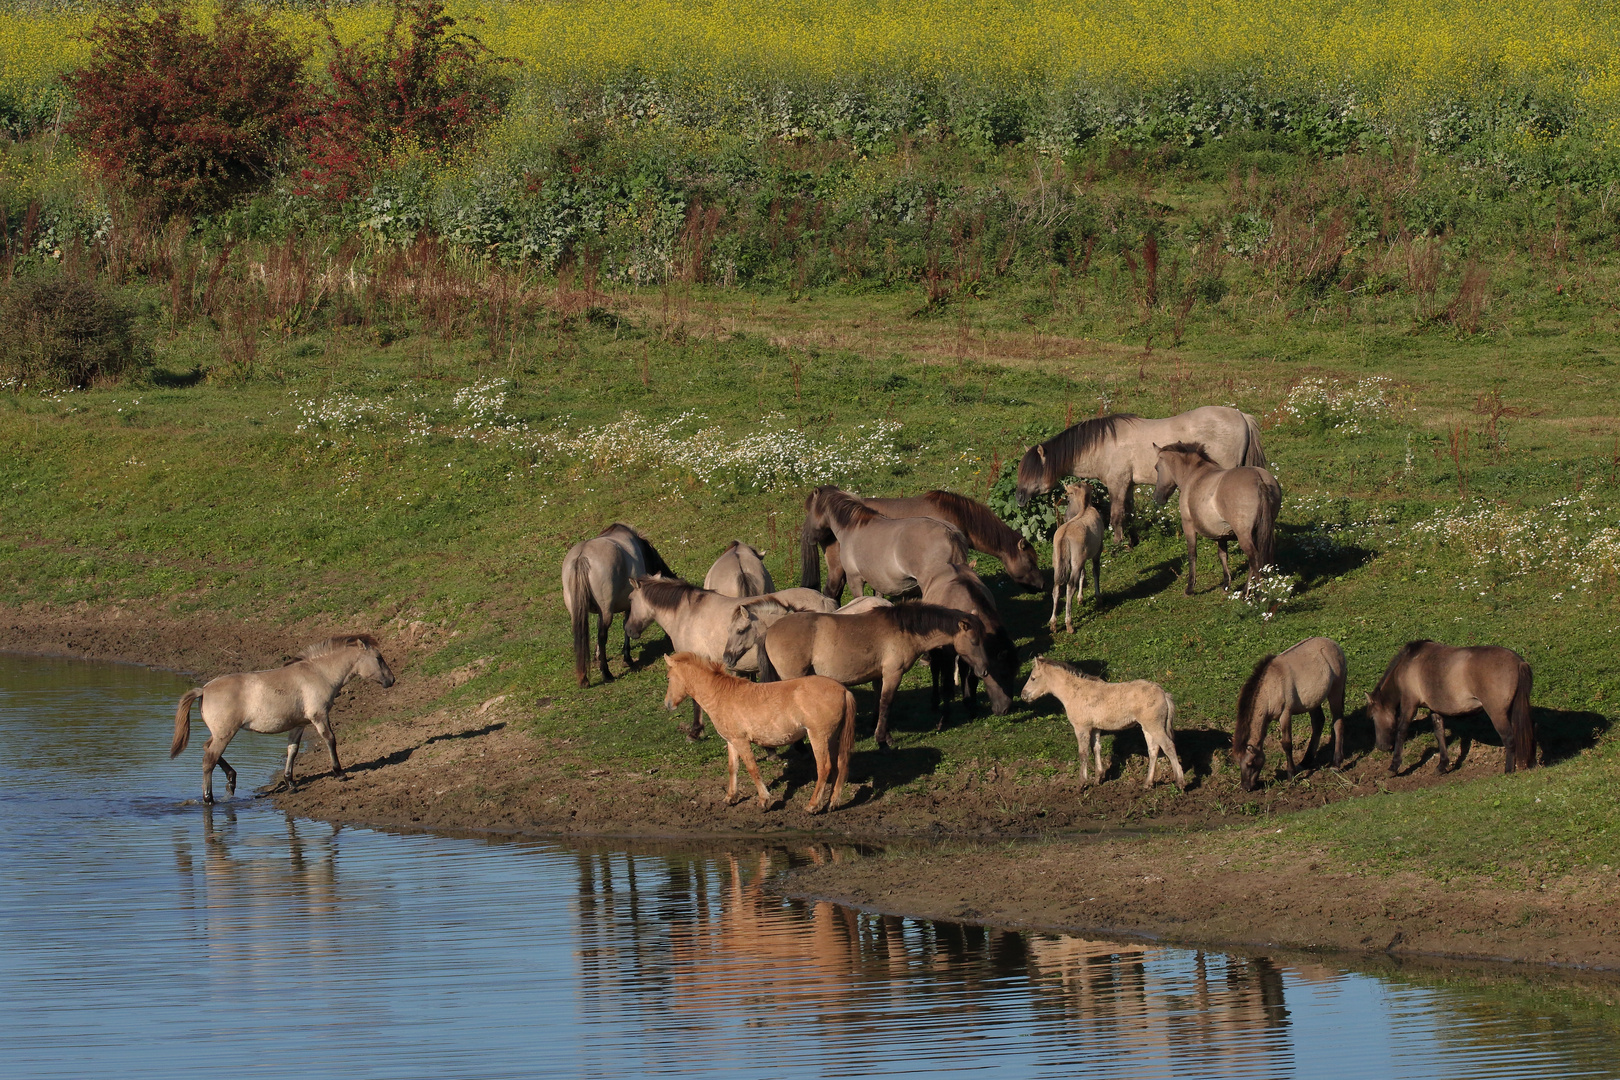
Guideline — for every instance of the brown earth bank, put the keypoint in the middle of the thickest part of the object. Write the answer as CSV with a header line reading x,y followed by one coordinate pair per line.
x,y
1105,859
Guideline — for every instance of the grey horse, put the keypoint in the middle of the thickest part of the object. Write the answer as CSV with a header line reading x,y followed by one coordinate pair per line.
x,y
596,576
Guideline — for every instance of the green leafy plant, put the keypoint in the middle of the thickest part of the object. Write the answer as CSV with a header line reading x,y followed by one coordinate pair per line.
x,y
58,331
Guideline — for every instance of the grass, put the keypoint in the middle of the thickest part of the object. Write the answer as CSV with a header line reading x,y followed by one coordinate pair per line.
x,y
379,466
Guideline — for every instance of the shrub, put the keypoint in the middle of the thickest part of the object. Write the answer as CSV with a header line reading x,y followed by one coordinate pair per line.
x,y
186,116
421,84
60,331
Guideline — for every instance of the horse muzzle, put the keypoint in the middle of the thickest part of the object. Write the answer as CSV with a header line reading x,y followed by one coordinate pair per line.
x,y
999,701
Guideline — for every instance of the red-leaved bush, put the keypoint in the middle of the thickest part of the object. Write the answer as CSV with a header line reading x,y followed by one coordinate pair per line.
x,y
422,83
185,115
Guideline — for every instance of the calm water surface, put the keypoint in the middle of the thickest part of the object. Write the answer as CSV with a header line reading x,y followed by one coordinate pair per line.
x,y
143,938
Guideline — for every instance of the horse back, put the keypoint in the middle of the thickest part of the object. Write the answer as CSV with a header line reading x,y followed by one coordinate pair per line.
x,y
1452,680
1309,672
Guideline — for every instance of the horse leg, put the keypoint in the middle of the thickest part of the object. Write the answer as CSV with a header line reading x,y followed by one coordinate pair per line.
x,y
1057,594
1096,579
1082,735
323,728
1318,721
628,665
1192,558
295,741
835,573
1402,719
1440,739
732,798
1096,749
230,777
821,745
885,699
1226,567
1153,759
1118,510
212,750
604,623
694,731
1285,735
765,800
969,682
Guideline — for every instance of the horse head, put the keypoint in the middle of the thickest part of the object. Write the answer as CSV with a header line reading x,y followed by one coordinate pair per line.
x,y
741,635
1023,566
677,691
1035,687
1383,718
373,666
1165,474
1250,762
969,643
1032,479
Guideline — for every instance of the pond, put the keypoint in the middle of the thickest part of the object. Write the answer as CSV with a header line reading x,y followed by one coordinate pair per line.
x,y
145,936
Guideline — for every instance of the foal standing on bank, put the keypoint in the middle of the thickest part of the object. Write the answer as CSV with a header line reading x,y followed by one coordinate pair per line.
x,y
288,699
1297,680
1095,706
1076,541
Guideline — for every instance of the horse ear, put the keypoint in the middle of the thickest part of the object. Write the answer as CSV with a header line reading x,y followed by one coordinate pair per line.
x,y
1157,447
668,660
964,625
1040,452
1368,697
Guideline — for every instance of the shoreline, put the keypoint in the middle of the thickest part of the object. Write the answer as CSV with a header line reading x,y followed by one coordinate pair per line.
x,y
1002,856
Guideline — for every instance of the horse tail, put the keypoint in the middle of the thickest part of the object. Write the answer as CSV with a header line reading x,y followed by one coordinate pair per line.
x,y
809,553
1253,452
767,671
1263,532
579,614
846,740
1244,732
1060,559
182,722
1520,721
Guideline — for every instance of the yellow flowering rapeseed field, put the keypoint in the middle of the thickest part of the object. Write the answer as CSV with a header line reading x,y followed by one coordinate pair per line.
x,y
1392,56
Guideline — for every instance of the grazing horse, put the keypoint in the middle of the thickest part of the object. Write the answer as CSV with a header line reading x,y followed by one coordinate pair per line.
x,y
881,644
984,531
1120,451
772,715
1450,681
1221,504
285,699
1095,706
1076,541
739,571
1297,680
596,576
893,555
964,590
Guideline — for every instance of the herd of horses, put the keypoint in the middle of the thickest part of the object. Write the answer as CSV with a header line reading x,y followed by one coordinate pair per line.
x,y
804,648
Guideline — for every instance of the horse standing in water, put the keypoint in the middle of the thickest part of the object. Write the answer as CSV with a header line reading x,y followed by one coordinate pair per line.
x,y
1221,504
1451,681
596,576
1121,451
288,699
1297,680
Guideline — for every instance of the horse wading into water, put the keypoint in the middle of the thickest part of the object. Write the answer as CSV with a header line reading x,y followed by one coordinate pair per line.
x,y
1297,680
285,699
984,531
1095,706
596,576
893,555
1221,504
1120,451
774,715
1451,681
881,644
739,571
1078,540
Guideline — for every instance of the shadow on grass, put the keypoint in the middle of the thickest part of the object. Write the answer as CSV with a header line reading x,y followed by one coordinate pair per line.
x,y
176,380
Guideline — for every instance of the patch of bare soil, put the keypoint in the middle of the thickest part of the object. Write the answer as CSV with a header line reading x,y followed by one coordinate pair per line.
x,y
476,769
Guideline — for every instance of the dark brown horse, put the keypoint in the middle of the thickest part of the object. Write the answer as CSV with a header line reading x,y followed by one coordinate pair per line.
x,y
984,531
1119,450
893,555
1450,681
964,590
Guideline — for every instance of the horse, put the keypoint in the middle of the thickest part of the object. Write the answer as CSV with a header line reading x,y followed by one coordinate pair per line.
x,y
893,555
984,531
964,590
1452,681
773,715
289,698
1221,504
1077,540
1283,685
596,576
739,571
881,644
1119,450
1095,706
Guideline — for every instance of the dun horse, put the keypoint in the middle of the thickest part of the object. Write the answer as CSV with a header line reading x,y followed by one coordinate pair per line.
x,y
881,644
285,699
1120,451
1076,541
964,590
1095,706
1451,681
773,715
1297,680
1221,504
596,576
984,531
739,571
893,555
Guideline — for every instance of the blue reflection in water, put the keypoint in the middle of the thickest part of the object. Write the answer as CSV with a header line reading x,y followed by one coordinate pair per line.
x,y
145,938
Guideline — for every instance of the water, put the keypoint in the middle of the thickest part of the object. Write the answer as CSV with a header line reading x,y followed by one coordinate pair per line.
x,y
144,938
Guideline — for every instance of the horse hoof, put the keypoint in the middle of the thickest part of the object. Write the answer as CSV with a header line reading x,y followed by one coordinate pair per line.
x,y
208,800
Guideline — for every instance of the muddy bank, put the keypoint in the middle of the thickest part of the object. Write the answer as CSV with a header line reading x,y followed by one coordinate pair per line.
x,y
417,765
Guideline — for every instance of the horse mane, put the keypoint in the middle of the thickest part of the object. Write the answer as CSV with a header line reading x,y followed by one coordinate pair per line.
x,y
926,618
843,508
1403,654
973,517
1068,668
666,593
711,666
333,644
1245,709
1188,448
1084,437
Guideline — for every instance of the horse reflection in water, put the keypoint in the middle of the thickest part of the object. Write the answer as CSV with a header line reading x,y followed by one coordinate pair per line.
x,y
722,941
243,878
